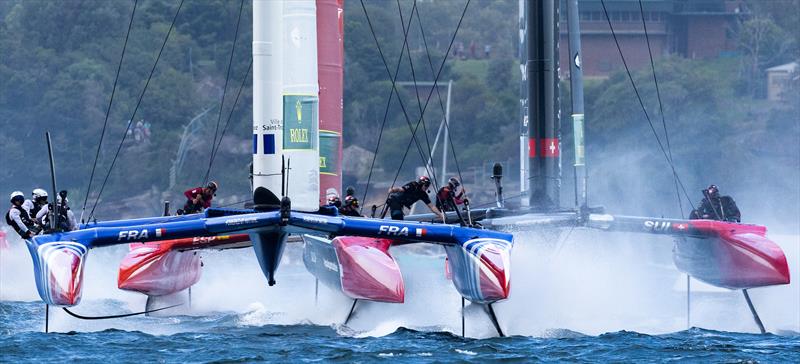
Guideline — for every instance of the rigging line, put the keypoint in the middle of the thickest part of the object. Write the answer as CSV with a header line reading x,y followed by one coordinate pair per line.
x,y
441,103
228,121
641,103
138,103
429,168
224,91
660,104
393,79
435,80
108,109
423,159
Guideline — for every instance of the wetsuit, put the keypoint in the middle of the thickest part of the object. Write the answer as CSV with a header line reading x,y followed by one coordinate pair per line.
x,y
412,192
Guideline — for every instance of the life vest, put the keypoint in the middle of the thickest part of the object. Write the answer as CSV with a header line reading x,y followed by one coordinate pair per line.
x,y
25,217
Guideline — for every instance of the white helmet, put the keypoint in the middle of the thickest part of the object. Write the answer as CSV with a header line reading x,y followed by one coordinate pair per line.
x,y
58,199
17,195
39,193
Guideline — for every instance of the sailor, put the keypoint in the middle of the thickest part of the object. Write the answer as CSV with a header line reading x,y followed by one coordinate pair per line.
x,y
350,206
18,217
447,199
37,201
199,198
334,201
716,207
66,219
407,195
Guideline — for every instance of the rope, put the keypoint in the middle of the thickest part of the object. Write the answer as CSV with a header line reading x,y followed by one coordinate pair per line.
x,y
441,103
228,121
431,171
660,104
138,103
75,315
641,103
435,81
224,91
108,109
400,100
389,101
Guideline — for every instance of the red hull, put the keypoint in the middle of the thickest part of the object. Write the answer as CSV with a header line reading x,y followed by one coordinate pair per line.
x,y
367,270
165,267
729,255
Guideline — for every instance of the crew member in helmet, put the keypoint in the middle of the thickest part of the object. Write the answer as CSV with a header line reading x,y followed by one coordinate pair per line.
x,y
350,206
447,199
407,195
335,201
18,217
66,219
37,201
199,198
716,207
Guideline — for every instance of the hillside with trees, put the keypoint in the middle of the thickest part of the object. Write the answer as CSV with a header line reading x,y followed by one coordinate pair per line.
x,y
58,61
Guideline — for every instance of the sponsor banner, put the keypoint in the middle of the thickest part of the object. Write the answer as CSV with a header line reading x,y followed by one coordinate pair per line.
x,y
329,142
577,127
300,122
531,148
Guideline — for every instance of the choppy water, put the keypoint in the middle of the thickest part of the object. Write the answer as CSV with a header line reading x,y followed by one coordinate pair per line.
x,y
224,337
590,302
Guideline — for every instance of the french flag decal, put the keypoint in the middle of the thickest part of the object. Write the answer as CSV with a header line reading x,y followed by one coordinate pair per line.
x,y
421,232
160,232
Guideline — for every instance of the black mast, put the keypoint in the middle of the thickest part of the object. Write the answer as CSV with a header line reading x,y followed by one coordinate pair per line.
x,y
543,120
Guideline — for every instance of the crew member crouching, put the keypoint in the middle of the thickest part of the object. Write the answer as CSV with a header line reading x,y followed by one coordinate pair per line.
x,y
199,198
407,195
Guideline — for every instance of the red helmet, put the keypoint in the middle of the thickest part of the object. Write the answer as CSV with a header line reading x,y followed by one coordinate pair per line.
x,y
334,201
351,201
424,180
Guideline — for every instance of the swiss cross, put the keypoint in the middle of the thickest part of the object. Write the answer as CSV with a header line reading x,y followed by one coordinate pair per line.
x,y
550,147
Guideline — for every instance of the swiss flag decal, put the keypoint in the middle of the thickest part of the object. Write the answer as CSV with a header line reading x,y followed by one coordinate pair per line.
x,y
549,148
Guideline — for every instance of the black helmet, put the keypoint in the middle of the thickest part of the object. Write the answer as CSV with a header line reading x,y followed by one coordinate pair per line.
x,y
453,182
213,186
350,191
424,180
713,190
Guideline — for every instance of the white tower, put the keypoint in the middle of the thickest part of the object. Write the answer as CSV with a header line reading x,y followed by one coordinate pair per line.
x,y
285,99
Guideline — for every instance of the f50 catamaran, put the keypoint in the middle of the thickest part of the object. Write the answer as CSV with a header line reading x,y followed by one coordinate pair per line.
x,y
286,158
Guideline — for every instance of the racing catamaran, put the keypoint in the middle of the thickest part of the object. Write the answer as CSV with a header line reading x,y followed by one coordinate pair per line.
x,y
286,144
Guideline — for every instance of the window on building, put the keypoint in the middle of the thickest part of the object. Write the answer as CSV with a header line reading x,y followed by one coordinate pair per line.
x,y
586,15
598,16
616,16
625,16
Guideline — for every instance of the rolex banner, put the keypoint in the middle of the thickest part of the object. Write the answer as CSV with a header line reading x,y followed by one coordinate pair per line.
x,y
300,122
329,152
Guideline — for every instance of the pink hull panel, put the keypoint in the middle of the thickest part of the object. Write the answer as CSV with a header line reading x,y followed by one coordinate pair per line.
x,y
733,256
367,270
161,268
